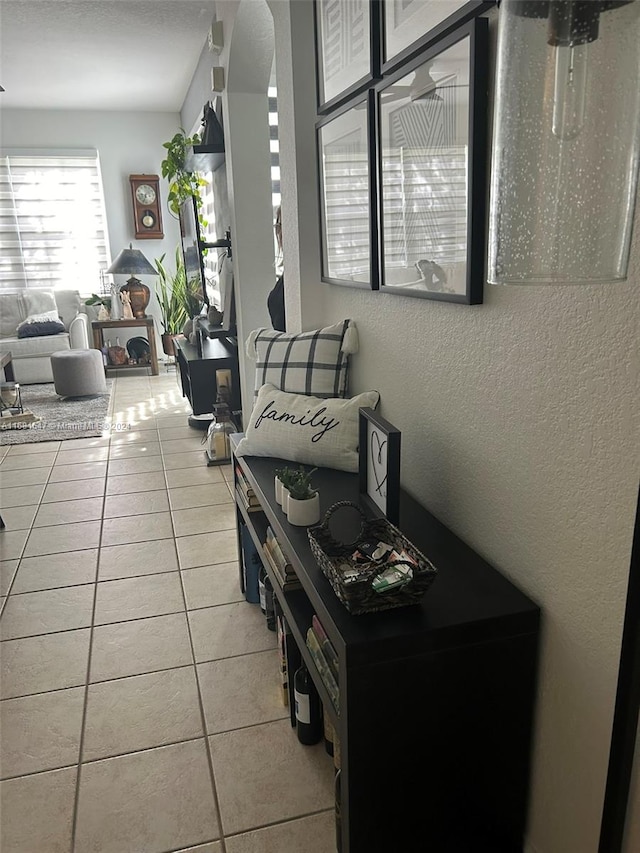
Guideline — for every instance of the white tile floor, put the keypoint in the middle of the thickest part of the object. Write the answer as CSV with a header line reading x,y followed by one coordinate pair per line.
x,y
140,709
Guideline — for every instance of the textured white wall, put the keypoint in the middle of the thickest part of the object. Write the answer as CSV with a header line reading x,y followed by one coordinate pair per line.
x,y
128,143
519,422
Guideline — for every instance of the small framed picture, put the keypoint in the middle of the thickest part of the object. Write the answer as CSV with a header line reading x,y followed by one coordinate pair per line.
x,y
379,464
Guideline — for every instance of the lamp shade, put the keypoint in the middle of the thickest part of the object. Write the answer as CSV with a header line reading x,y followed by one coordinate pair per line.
x,y
132,262
566,141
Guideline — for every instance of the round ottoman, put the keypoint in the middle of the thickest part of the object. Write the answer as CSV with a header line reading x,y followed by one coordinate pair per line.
x,y
78,373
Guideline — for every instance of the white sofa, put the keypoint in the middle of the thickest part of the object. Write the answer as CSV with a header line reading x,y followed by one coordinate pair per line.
x,y
31,356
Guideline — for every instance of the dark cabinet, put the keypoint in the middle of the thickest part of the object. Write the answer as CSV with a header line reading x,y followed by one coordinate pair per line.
x,y
196,367
436,699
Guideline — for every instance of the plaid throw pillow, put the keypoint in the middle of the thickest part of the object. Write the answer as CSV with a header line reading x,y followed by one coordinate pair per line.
x,y
312,363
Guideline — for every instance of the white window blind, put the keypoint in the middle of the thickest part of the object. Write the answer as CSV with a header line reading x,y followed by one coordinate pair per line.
x,y
53,227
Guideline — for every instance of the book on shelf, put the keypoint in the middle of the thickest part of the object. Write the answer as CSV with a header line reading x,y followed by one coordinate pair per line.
x,y
251,504
276,550
324,670
245,490
326,645
279,562
288,580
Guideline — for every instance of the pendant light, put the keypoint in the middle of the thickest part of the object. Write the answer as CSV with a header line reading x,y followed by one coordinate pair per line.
x,y
566,141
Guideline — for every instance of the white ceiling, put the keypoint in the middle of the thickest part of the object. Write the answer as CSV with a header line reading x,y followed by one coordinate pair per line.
x,y
100,54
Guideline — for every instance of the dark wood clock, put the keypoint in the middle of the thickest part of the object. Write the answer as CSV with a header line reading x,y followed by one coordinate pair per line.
x,y
145,195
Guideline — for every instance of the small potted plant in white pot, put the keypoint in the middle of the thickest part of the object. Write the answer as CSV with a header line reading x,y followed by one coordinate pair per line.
x,y
283,479
303,506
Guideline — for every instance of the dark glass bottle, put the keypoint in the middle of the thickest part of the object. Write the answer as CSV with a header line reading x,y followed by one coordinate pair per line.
x,y
308,710
268,603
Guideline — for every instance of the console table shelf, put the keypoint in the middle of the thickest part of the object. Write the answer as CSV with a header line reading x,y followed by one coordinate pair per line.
x,y
196,371
436,699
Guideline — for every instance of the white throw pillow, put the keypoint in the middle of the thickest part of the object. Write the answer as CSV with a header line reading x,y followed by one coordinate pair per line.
x,y
306,429
40,302
314,363
44,317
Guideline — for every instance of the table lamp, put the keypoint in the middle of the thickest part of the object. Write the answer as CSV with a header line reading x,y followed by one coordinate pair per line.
x,y
131,262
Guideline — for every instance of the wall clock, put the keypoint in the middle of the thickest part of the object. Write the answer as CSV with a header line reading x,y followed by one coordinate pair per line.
x,y
145,195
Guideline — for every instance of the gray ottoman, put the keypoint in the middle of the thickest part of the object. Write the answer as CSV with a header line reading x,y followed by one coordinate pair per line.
x,y
78,373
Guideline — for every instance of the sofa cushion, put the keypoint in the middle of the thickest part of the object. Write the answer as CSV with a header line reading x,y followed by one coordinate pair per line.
x,y
12,312
39,301
44,346
314,430
40,329
68,303
313,363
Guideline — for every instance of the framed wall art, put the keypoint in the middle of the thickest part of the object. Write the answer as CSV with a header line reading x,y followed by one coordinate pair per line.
x,y
379,465
410,25
344,144
431,166
347,48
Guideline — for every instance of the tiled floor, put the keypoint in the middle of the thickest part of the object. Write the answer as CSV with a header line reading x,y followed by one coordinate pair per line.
x,y
140,708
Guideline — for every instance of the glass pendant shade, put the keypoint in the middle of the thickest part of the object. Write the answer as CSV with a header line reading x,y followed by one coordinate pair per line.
x,y
566,141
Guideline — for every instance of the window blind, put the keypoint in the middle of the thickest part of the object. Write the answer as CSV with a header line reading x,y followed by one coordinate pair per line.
x,y
53,228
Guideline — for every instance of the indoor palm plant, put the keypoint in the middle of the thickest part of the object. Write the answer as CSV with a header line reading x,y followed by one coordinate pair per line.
x,y
171,293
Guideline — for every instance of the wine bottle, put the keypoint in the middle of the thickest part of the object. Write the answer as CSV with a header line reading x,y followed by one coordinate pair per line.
x,y
308,713
268,603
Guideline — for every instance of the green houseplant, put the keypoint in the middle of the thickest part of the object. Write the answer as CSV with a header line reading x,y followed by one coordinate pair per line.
x,y
171,293
183,184
303,505
103,301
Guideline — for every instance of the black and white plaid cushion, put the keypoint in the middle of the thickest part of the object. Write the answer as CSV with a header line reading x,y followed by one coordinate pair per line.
x,y
313,363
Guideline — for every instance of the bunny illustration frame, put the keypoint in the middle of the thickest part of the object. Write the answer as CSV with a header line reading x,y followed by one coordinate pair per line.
x,y
379,465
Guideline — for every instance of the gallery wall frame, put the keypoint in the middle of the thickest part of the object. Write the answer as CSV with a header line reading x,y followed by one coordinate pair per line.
x,y
379,465
431,127
345,140
348,49
401,20
430,150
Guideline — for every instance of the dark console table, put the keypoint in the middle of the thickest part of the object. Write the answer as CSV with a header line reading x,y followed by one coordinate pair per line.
x,y
436,699
196,371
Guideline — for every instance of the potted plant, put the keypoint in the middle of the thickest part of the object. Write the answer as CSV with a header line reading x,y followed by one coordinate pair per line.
x,y
303,506
283,479
171,292
183,184
104,302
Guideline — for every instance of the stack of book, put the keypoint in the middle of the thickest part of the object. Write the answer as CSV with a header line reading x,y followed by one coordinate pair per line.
x,y
279,563
325,658
248,496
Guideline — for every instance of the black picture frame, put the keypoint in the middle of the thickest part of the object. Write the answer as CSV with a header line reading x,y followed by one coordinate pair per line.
x,y
347,39
400,20
346,138
379,465
443,256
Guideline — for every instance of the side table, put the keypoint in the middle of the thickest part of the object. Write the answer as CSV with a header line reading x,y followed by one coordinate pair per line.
x,y
99,326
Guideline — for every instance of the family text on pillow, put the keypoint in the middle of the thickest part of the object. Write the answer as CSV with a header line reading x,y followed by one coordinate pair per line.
x,y
297,427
